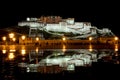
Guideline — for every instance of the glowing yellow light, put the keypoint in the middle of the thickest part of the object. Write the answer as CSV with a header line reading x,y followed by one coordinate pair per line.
x,y
37,50
4,38
63,38
14,39
23,37
90,48
37,39
11,56
11,35
64,48
23,47
4,51
23,51
12,50
116,38
90,38
116,47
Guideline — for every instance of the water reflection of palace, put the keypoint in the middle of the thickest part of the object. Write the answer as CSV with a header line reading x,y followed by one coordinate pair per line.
x,y
67,60
56,60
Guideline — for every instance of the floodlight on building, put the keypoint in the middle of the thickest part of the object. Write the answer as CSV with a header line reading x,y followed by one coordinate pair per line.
x,y
28,19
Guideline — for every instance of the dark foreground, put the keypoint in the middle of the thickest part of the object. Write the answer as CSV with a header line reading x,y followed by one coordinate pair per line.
x,y
99,71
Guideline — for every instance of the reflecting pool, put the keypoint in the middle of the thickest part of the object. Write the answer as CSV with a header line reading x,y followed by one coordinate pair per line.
x,y
28,62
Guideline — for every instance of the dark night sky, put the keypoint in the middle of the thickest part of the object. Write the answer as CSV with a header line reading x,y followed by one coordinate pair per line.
x,y
99,13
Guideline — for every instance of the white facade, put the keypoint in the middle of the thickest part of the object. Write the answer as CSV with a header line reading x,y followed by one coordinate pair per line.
x,y
31,24
70,20
66,25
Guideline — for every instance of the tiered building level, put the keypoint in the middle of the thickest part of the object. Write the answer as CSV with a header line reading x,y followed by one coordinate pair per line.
x,y
57,25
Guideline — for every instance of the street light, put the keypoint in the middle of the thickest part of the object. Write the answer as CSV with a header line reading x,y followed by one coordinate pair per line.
x,y
116,39
4,51
37,39
23,37
63,38
11,35
90,39
4,38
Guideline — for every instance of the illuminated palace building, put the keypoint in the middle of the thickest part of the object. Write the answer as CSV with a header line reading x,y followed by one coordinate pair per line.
x,y
55,25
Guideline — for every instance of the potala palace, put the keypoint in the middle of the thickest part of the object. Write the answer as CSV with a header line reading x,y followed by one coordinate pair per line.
x,y
57,26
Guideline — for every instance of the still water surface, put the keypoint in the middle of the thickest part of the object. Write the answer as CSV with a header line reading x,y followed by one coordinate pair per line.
x,y
23,63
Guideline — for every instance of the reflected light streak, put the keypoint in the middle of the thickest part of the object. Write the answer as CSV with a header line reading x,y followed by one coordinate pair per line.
x,y
116,47
116,54
23,58
23,51
64,48
4,51
12,50
90,48
14,39
117,62
11,56
4,47
36,49
22,47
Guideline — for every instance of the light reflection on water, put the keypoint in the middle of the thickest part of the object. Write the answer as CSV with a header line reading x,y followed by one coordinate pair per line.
x,y
24,60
